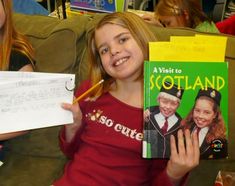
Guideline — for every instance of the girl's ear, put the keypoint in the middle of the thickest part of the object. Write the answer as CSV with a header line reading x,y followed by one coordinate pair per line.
x,y
158,99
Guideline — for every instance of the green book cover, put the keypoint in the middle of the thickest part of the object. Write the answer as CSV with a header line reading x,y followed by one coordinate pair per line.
x,y
185,95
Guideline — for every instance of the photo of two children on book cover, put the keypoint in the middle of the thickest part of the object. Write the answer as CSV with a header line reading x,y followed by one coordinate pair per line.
x,y
184,96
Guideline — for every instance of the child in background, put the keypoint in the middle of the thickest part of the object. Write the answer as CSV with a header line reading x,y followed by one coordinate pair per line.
x,y
182,13
16,53
104,143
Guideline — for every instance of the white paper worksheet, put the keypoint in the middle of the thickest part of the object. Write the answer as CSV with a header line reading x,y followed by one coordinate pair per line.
x,y
30,100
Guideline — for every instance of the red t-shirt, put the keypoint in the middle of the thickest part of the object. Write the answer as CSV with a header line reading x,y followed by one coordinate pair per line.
x,y
227,26
107,150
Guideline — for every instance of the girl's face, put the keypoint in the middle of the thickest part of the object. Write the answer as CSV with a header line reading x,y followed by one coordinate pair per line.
x,y
167,106
120,54
203,113
2,15
173,21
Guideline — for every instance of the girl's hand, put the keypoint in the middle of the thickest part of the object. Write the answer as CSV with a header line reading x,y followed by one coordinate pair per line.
x,y
71,129
185,158
149,18
146,115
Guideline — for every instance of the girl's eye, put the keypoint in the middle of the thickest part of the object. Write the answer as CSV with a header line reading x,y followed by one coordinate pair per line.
x,y
207,112
122,40
163,100
196,111
174,103
103,50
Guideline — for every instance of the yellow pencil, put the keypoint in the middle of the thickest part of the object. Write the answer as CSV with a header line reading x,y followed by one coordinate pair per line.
x,y
88,91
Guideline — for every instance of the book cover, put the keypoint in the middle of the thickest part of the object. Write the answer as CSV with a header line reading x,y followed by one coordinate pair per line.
x,y
96,5
185,95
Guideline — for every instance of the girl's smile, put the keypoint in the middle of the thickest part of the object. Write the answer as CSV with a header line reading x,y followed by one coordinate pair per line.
x,y
120,54
203,113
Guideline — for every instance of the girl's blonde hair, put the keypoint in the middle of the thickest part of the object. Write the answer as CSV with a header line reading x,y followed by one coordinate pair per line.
x,y
138,29
177,8
12,39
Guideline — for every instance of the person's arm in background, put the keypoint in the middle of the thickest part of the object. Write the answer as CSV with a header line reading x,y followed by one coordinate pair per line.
x,y
11,135
149,18
27,68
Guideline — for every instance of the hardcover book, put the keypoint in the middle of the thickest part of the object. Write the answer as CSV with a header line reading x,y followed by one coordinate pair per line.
x,y
108,6
187,96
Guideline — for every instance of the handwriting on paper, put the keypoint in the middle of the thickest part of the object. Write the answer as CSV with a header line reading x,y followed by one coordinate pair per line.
x,y
34,101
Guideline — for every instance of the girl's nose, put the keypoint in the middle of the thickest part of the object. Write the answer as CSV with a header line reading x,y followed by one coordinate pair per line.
x,y
201,115
114,50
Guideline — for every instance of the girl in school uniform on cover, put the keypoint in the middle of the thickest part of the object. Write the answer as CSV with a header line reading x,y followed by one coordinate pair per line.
x,y
206,120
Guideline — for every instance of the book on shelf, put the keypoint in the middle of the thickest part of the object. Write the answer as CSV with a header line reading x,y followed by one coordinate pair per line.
x,y
186,87
107,6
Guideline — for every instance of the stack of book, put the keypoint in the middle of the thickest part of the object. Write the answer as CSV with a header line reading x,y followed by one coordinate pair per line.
x,y
230,9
